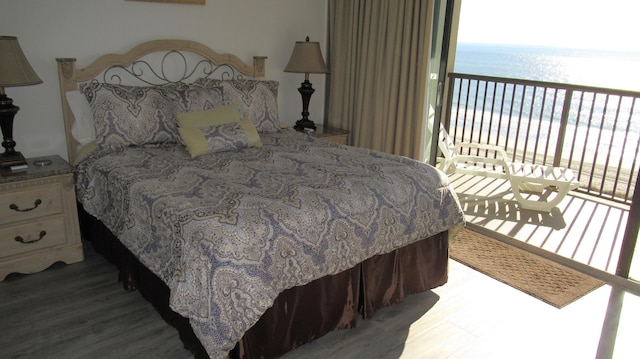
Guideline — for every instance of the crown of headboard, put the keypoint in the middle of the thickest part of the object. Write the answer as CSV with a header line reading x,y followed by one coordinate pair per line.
x,y
174,61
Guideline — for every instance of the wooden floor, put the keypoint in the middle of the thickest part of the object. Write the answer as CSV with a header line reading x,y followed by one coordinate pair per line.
x,y
582,228
80,311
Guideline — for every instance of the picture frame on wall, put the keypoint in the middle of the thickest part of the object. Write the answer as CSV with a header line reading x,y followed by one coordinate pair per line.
x,y
192,2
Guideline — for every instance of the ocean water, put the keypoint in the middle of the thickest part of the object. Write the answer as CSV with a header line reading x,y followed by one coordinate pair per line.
x,y
618,70
616,129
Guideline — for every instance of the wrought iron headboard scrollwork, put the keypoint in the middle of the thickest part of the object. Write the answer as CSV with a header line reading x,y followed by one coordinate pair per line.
x,y
168,71
151,63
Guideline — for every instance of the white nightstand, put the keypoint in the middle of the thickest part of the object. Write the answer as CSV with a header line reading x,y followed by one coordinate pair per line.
x,y
38,217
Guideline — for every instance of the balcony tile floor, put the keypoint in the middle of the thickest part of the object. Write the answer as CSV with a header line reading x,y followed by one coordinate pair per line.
x,y
582,229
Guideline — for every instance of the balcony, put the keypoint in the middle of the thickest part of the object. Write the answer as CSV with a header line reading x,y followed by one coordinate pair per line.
x,y
593,131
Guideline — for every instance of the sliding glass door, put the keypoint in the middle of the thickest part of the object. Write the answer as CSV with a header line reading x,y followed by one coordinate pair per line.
x,y
443,20
442,57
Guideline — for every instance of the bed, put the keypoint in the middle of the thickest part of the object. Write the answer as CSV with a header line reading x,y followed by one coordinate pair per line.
x,y
250,238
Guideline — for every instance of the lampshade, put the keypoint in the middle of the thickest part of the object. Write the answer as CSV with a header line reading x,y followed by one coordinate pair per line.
x,y
307,58
15,70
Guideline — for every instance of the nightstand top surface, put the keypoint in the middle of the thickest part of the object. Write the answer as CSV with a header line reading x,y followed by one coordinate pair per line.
x,y
322,131
58,166
325,131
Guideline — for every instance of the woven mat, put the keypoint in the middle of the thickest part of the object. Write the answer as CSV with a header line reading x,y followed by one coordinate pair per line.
x,y
541,278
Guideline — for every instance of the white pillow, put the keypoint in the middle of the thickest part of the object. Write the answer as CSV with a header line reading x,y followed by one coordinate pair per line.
x,y
83,129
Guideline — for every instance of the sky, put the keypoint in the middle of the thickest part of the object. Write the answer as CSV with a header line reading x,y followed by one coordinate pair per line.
x,y
586,24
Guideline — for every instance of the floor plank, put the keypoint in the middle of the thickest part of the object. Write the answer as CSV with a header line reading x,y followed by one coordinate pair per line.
x,y
80,311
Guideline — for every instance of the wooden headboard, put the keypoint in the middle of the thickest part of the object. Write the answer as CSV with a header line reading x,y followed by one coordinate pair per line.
x,y
192,59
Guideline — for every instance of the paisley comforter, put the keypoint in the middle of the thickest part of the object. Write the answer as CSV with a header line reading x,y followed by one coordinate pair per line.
x,y
227,232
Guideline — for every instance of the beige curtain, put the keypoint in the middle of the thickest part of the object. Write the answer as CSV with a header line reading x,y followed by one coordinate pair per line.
x,y
378,54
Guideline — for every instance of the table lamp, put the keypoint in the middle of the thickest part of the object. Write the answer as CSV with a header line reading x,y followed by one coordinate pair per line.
x,y
306,58
14,71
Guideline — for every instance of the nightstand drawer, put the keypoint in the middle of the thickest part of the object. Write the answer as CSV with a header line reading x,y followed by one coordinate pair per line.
x,y
32,236
32,203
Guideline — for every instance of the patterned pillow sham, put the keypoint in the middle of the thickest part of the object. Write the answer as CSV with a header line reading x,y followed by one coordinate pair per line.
x,y
195,98
256,99
136,116
214,138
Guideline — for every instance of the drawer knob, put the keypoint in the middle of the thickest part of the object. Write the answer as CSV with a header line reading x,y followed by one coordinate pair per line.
x,y
21,240
15,207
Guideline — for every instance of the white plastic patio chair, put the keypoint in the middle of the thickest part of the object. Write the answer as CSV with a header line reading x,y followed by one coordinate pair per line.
x,y
524,177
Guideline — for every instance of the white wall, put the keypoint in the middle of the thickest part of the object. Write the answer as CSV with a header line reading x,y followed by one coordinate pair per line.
x,y
85,29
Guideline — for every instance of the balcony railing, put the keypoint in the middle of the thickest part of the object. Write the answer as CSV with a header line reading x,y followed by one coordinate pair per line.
x,y
594,131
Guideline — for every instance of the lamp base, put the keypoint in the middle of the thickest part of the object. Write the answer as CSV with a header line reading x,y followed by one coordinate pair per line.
x,y
9,159
304,123
306,90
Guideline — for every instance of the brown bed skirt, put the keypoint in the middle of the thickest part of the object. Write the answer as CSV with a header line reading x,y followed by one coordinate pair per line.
x,y
300,314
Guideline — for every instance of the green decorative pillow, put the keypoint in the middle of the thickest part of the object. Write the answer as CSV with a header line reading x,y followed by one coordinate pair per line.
x,y
217,116
214,138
